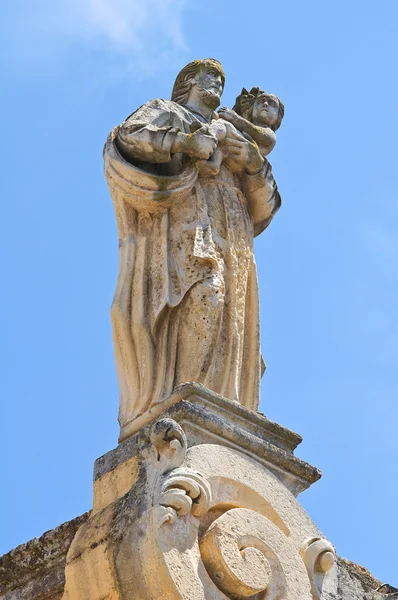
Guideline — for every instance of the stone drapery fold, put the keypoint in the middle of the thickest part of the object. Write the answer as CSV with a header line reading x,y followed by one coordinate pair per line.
x,y
186,301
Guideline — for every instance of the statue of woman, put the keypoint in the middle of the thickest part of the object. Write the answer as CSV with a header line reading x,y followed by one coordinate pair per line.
x,y
186,302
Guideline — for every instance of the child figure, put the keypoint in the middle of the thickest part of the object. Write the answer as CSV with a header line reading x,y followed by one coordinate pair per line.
x,y
256,115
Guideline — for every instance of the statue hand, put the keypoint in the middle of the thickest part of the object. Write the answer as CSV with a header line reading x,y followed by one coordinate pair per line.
x,y
199,144
228,114
203,144
245,153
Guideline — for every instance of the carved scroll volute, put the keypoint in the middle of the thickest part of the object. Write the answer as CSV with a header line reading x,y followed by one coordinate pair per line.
x,y
245,554
168,448
319,557
158,556
239,555
188,544
183,491
206,523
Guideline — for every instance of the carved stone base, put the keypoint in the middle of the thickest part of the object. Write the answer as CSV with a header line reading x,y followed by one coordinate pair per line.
x,y
208,418
200,504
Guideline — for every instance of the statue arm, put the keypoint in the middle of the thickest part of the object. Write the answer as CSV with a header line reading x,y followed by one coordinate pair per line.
x,y
152,135
262,196
264,137
258,183
132,152
148,134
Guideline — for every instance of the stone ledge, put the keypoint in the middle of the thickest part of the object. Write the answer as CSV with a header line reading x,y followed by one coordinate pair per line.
x,y
201,395
209,418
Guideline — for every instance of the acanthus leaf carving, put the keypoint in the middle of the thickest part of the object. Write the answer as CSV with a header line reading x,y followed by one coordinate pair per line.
x,y
186,491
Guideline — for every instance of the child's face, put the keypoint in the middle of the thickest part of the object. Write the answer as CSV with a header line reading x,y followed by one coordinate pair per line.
x,y
265,111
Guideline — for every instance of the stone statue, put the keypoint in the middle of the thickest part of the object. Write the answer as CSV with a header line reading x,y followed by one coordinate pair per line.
x,y
188,203
199,502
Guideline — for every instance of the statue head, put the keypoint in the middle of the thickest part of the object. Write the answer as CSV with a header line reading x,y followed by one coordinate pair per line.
x,y
200,79
260,108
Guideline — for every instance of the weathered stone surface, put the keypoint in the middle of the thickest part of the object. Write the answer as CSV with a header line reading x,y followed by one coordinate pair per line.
x,y
208,418
37,569
356,583
211,512
186,302
25,576
196,504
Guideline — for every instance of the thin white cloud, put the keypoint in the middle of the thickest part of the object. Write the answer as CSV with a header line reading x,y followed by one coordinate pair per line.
x,y
145,33
123,23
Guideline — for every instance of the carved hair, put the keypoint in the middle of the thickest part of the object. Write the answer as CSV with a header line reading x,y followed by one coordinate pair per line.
x,y
183,83
245,103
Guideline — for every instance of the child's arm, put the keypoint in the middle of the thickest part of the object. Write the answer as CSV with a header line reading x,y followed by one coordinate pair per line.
x,y
264,137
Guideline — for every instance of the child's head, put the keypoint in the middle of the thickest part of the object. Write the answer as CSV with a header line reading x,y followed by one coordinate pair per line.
x,y
260,108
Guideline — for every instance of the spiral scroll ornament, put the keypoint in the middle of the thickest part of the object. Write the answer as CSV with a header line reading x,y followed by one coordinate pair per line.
x,y
319,557
194,542
169,443
246,554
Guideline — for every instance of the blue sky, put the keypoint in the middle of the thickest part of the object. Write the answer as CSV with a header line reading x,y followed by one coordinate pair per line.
x,y
71,70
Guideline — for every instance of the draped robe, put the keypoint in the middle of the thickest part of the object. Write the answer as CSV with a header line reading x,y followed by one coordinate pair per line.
x,y
186,304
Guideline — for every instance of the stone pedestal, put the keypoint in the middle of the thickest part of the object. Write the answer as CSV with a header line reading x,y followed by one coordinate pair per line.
x,y
200,503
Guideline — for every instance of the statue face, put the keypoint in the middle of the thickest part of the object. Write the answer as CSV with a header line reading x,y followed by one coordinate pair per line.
x,y
208,86
265,111
208,78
